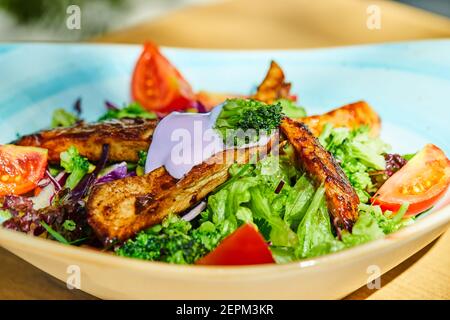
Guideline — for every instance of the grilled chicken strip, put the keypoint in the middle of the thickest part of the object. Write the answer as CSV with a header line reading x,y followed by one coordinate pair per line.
x,y
351,116
342,199
119,209
273,86
125,137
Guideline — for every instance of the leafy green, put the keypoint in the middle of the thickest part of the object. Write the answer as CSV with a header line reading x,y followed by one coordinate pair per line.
x,y
280,232
63,118
388,221
242,121
225,207
140,168
4,215
371,225
409,156
250,196
54,171
365,229
290,109
76,165
133,110
69,225
238,172
315,227
298,201
358,154
283,254
53,233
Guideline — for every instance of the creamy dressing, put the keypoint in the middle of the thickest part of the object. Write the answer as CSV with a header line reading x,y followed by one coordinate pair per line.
x,y
183,140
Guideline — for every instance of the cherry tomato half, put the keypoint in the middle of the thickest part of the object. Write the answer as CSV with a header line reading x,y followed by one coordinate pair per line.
x,y
21,168
421,182
245,246
157,85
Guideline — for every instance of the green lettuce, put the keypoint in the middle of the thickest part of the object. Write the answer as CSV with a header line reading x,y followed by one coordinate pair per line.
x,y
250,196
290,109
298,201
371,225
280,234
4,215
358,154
133,110
63,118
315,227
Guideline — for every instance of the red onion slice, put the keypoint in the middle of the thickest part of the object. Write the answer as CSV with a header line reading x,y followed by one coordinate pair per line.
x,y
195,211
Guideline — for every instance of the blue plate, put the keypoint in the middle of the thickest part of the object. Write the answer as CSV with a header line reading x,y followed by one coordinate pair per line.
x,y
407,83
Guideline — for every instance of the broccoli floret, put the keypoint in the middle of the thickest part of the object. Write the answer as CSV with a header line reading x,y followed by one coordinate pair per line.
x,y
242,114
133,110
76,165
173,241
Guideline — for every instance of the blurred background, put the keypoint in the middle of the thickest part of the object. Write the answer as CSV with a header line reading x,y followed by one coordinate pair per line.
x,y
45,20
224,23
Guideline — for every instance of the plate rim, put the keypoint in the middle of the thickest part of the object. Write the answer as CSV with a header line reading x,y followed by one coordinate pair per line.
x,y
225,50
437,219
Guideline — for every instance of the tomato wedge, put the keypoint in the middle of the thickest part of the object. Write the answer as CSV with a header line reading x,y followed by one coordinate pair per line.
x,y
421,182
21,168
245,246
157,85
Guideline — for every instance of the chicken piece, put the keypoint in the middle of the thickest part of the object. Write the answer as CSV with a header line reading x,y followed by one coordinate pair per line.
x,y
119,209
126,137
342,199
351,116
273,86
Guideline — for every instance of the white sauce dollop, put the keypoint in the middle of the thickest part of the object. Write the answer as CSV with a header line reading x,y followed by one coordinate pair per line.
x,y
183,140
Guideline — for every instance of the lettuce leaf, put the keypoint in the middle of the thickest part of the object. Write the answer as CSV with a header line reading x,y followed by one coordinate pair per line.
x,y
371,225
290,109
280,232
132,110
315,227
4,215
298,201
358,154
63,118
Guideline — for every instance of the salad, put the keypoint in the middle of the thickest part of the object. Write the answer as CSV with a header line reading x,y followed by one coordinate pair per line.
x,y
204,178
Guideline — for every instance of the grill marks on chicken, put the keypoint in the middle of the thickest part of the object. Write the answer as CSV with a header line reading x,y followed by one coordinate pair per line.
x,y
342,199
125,136
119,209
273,86
351,116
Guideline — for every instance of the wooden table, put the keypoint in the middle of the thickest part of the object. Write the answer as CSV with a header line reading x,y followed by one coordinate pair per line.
x,y
276,24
